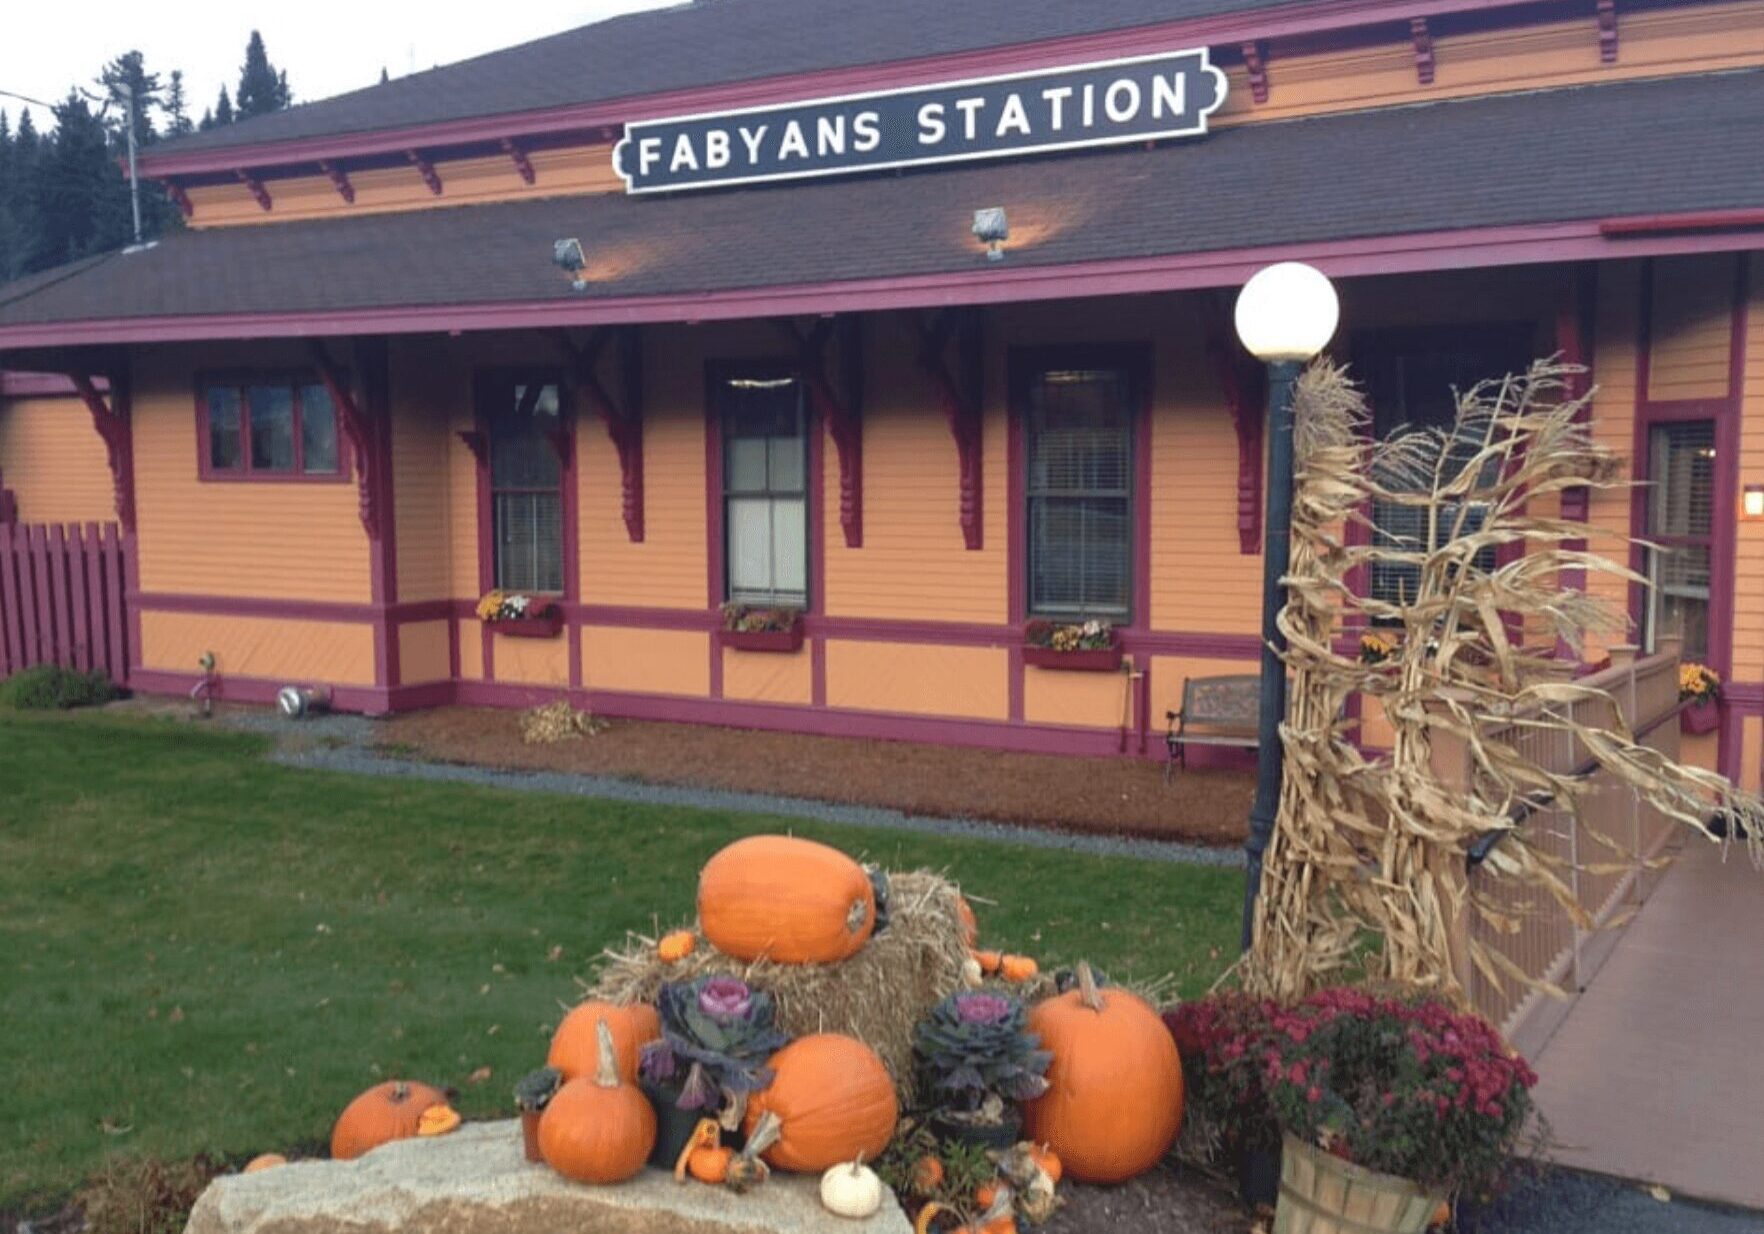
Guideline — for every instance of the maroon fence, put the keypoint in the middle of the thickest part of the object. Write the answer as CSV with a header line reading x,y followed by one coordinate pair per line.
x,y
61,598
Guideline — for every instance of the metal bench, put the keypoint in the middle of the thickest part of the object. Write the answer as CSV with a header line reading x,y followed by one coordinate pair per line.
x,y
1216,711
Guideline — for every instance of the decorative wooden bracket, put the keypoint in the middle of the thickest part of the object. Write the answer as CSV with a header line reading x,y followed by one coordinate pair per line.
x,y
111,419
179,198
8,503
256,188
522,163
1607,31
1423,39
358,426
840,406
1244,384
478,443
623,417
1255,59
960,394
426,170
339,180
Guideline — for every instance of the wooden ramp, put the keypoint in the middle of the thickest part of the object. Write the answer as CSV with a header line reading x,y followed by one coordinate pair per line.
x,y
1657,1070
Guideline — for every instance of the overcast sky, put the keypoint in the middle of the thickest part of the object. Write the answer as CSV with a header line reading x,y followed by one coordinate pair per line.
x,y
326,46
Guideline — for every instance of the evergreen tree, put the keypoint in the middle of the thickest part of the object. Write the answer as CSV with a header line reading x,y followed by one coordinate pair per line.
x,y
177,110
80,196
261,88
223,110
18,214
123,75
207,121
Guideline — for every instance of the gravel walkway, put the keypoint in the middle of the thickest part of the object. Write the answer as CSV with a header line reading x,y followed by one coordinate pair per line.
x,y
1556,1201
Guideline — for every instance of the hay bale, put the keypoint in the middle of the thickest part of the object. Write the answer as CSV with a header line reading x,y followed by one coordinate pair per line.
x,y
877,996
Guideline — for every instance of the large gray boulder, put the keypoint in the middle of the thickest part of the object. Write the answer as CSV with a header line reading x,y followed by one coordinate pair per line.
x,y
477,1181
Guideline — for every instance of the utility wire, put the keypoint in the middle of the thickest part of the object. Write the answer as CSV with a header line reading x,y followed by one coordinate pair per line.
x,y
25,98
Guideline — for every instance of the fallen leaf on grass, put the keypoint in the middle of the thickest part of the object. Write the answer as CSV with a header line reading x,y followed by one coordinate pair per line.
x,y
109,1127
556,953
479,1076
176,1016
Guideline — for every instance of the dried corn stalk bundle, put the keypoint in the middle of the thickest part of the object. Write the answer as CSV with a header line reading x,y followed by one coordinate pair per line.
x,y
1378,844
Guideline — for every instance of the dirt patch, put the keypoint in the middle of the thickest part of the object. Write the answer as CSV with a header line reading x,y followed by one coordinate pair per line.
x,y
1114,796
1167,1200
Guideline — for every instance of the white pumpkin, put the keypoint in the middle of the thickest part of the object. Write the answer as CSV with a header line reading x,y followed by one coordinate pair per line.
x,y
851,1190
972,977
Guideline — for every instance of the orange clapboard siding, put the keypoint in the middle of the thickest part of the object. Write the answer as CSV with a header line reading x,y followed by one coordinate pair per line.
x,y
914,562
667,568
1618,305
768,677
560,172
644,661
270,648
919,678
1080,700
1691,327
425,395
470,633
293,540
1700,750
532,661
54,461
1748,616
424,652
1679,39
1751,753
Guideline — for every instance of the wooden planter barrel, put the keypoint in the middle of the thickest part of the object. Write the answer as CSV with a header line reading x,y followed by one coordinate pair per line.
x,y
1322,1194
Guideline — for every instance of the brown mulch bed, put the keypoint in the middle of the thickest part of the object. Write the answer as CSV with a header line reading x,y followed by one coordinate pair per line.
x,y
1115,796
1170,1199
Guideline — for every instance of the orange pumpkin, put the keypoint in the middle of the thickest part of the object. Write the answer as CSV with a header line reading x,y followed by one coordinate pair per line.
x,y
1114,1099
784,899
573,1046
385,1112
970,923
676,946
835,1100
928,1175
1017,968
988,961
598,1128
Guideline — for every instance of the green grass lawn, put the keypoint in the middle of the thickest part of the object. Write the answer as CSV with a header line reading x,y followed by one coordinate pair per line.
x,y
203,951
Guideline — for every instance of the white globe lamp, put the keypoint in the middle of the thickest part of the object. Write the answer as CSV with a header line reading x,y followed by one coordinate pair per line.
x,y
1287,311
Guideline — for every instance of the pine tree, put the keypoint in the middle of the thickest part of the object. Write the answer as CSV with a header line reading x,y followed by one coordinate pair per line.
x,y
177,113
223,110
80,196
123,75
261,88
207,121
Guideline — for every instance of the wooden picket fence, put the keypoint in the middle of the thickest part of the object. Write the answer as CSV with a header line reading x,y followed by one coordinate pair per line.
x,y
62,598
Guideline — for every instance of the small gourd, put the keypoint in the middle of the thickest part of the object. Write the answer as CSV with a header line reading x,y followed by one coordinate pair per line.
x,y
972,977
676,946
928,1175
851,1190
988,961
1017,969
704,1156
437,1120
599,1128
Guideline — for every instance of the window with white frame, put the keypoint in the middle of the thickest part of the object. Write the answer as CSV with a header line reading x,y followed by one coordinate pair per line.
x,y
765,489
526,487
1681,531
1079,439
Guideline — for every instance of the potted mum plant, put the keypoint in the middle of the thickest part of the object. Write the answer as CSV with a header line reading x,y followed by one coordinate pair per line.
x,y
1388,1106
1222,1039
754,628
1699,689
1088,646
519,615
977,1063
717,1033
532,1095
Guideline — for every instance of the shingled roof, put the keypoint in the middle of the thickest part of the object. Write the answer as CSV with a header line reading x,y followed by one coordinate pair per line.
x,y
1586,153
708,42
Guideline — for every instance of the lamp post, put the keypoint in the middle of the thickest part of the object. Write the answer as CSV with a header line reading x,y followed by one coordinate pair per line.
x,y
1286,314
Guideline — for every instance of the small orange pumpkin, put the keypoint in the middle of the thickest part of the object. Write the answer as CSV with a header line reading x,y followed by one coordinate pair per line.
x,y
574,1049
262,1162
834,1099
1048,1160
706,1137
598,1128
970,923
385,1112
928,1175
676,946
711,1165
989,961
789,900
438,1120
1017,968
1114,1100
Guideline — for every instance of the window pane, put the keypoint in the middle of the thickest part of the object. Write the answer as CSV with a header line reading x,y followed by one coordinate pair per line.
x,y
529,541
760,407
318,430
1078,431
1080,477
789,549
1080,555
1681,471
785,471
1403,527
750,547
224,451
747,465
1680,601
272,427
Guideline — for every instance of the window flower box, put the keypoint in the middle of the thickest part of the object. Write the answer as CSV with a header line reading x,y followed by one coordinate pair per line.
x,y
1699,690
761,629
1086,647
521,616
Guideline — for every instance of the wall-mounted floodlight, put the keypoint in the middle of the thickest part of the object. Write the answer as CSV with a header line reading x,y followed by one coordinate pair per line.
x,y
569,258
993,229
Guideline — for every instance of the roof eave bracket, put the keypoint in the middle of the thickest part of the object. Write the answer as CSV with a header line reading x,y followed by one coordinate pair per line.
x,y
523,164
426,170
339,180
1607,31
1255,62
1423,40
256,188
